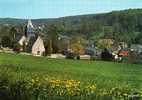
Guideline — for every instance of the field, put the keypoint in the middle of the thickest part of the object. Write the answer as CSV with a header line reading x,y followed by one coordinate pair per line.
x,y
114,80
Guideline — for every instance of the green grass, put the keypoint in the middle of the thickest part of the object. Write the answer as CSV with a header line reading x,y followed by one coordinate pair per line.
x,y
104,74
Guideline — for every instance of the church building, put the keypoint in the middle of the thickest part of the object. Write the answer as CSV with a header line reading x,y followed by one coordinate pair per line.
x,y
31,42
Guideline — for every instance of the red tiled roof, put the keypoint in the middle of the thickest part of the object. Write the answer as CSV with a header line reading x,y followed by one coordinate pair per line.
x,y
123,53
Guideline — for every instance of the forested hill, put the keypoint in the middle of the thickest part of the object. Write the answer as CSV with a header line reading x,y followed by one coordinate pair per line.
x,y
123,25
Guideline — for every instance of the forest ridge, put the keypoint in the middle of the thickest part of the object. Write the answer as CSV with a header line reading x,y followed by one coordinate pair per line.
x,y
123,25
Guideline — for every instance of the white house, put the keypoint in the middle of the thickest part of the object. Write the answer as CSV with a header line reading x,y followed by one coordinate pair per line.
x,y
22,40
38,48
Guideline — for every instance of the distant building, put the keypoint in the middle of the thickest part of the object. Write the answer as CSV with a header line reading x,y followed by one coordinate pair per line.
x,y
89,49
123,53
136,48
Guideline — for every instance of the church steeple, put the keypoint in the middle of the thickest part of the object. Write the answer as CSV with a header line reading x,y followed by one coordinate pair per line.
x,y
29,29
30,24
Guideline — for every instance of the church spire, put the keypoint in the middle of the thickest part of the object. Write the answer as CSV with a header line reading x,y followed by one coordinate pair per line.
x,y
30,24
30,29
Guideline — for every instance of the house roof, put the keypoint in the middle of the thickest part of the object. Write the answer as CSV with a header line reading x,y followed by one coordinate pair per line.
x,y
124,53
136,46
64,37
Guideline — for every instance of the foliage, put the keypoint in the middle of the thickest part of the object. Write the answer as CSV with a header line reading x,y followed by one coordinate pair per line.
x,y
70,55
53,38
106,56
16,47
6,41
49,47
105,43
76,46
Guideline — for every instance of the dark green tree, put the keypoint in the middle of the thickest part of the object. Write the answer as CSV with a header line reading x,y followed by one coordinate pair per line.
x,y
53,37
13,33
6,41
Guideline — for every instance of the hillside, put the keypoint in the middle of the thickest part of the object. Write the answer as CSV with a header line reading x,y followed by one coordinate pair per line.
x,y
120,25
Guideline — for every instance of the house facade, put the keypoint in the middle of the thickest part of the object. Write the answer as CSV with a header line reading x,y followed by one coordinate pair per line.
x,y
38,48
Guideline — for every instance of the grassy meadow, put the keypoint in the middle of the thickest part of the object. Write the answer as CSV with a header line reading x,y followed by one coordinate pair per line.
x,y
76,79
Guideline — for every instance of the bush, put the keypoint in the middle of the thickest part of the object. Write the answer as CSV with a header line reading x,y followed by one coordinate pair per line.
x,y
70,55
106,56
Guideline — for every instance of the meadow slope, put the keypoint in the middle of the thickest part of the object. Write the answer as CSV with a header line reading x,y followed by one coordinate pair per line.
x,y
99,72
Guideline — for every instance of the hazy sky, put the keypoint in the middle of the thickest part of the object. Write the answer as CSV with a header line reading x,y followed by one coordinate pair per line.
x,y
59,8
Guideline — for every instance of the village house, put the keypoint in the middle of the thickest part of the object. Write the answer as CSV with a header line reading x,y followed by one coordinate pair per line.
x,y
136,48
38,48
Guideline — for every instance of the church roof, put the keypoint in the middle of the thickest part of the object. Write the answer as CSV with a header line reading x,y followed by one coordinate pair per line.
x,y
30,25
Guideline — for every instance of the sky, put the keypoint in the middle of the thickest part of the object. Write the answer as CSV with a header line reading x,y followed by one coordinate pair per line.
x,y
59,8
